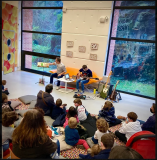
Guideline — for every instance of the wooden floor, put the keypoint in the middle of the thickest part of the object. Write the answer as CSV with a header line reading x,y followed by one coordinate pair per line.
x,y
22,83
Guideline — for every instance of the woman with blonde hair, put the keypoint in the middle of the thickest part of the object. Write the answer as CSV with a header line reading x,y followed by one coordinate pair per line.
x,y
108,113
30,139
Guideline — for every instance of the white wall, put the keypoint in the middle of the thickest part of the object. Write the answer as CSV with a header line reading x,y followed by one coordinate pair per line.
x,y
18,5
81,24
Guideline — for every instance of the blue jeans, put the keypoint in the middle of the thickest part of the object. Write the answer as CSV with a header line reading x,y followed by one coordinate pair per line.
x,y
141,122
82,83
94,140
55,75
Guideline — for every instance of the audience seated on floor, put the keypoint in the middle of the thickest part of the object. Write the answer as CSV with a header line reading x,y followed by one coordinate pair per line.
x,y
123,152
108,113
4,90
8,119
72,136
30,139
129,127
45,100
149,125
107,141
58,109
102,128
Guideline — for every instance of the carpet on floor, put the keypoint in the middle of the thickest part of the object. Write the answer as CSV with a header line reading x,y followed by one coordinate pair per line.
x,y
22,106
73,153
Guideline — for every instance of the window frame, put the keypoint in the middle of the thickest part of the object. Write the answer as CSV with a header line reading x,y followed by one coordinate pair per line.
x,y
24,53
127,39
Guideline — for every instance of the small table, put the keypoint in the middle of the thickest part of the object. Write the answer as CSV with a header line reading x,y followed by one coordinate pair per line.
x,y
65,90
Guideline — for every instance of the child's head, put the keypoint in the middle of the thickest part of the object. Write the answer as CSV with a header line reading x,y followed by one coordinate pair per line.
x,y
8,118
132,116
108,105
124,152
58,102
95,150
4,110
77,102
4,98
72,122
102,125
4,82
107,141
72,112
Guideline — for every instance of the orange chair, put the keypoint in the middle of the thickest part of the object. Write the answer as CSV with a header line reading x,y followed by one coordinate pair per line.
x,y
74,71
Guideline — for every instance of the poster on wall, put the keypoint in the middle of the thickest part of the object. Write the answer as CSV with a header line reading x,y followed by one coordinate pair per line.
x,y
9,37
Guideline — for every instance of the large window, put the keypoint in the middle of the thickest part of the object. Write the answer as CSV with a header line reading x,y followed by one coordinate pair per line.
x,y
41,34
131,50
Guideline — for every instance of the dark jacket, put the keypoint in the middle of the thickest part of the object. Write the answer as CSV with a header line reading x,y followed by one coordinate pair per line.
x,y
71,136
104,154
149,125
49,100
57,111
41,151
108,115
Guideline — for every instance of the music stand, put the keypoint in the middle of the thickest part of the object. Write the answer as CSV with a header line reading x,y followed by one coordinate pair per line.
x,y
43,65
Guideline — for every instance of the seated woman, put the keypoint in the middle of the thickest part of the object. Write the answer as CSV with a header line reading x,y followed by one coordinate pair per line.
x,y
149,125
30,139
108,113
58,109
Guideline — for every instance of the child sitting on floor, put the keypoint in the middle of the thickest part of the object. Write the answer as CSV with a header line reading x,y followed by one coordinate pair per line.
x,y
58,109
81,110
5,102
108,112
72,112
107,141
8,119
129,127
4,90
102,128
72,136
95,150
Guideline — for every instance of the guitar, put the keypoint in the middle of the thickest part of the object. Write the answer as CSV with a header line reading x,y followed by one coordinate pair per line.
x,y
113,96
104,92
84,77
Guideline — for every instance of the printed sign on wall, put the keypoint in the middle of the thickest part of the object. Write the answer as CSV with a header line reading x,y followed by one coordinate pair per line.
x,y
82,49
94,46
69,54
93,57
70,43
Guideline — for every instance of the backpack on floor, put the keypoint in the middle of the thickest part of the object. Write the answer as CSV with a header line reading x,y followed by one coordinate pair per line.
x,y
82,132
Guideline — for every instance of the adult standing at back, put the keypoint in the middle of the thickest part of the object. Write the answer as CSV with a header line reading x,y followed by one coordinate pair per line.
x,y
61,70
45,100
